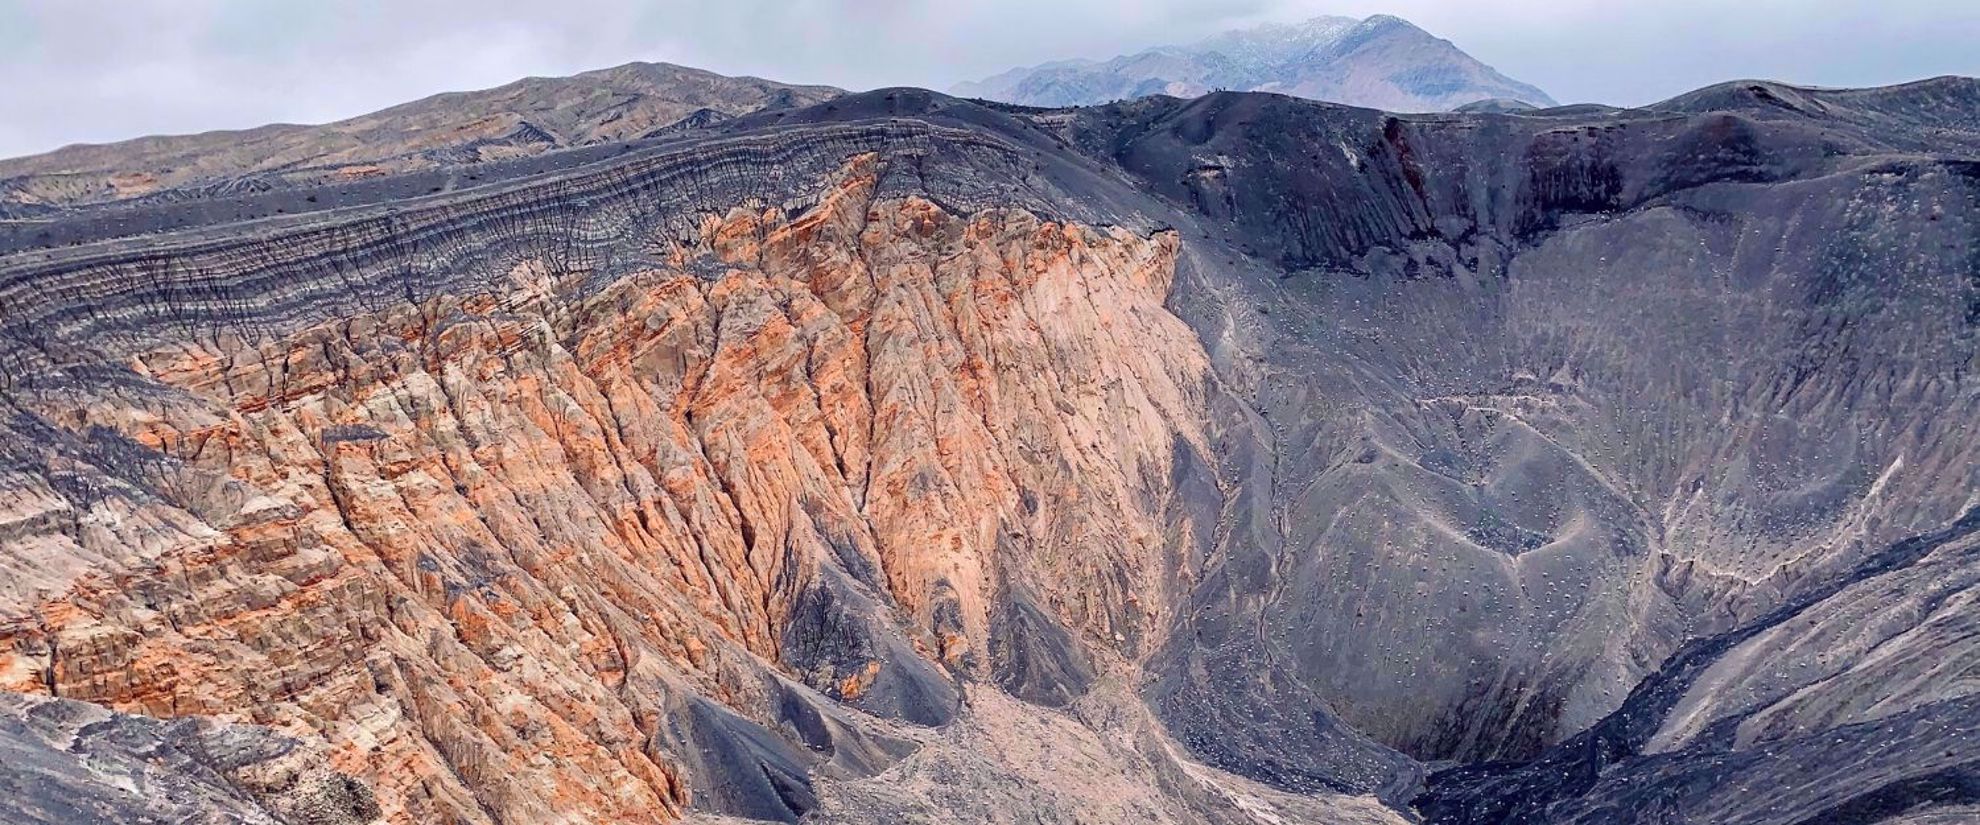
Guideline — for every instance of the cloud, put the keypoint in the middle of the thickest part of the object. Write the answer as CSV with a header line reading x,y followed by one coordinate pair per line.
x,y
99,70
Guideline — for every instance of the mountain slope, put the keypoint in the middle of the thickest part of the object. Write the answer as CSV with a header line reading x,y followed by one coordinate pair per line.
x,y
1232,460
64,762
523,118
1382,62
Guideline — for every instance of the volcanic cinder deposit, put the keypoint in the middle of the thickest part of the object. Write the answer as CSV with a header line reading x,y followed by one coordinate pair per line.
x,y
652,445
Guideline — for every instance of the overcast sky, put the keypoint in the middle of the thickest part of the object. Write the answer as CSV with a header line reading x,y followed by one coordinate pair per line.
x,y
101,70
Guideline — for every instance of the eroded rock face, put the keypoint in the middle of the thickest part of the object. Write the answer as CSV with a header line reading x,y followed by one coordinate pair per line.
x,y
498,544
1259,452
64,762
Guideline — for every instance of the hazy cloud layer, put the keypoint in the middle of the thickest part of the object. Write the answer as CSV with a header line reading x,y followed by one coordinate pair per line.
x,y
99,70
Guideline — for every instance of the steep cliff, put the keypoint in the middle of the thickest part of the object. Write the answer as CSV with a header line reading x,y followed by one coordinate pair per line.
x,y
1223,460
594,524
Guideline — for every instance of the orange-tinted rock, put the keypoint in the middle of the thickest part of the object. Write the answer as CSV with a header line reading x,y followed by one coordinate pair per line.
x,y
481,544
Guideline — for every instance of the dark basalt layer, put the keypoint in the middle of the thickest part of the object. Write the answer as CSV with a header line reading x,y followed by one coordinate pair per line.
x,y
837,630
66,762
271,276
1625,458
1033,658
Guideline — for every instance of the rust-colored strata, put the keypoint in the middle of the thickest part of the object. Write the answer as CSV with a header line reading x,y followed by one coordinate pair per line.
x,y
472,543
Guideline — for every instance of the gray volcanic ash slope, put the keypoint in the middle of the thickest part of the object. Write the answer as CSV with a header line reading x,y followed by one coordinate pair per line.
x,y
1236,459
72,762
1383,62
1606,426
521,119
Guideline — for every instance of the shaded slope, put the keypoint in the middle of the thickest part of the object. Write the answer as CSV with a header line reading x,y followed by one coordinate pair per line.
x,y
1341,440
1905,754
1553,397
64,762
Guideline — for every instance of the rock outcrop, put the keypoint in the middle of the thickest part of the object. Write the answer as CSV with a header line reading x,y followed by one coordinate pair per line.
x,y
64,762
560,545
1254,454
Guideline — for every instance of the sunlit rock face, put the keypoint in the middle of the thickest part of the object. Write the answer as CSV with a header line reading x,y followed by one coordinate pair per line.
x,y
841,457
1242,459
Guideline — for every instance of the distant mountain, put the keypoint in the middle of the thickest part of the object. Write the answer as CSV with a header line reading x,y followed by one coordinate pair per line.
x,y
526,117
1383,62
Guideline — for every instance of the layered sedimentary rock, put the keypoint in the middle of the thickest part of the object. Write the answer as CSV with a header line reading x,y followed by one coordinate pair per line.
x,y
1256,455
544,550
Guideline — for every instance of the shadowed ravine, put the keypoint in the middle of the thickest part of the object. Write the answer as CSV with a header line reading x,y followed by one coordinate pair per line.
x,y
1237,459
